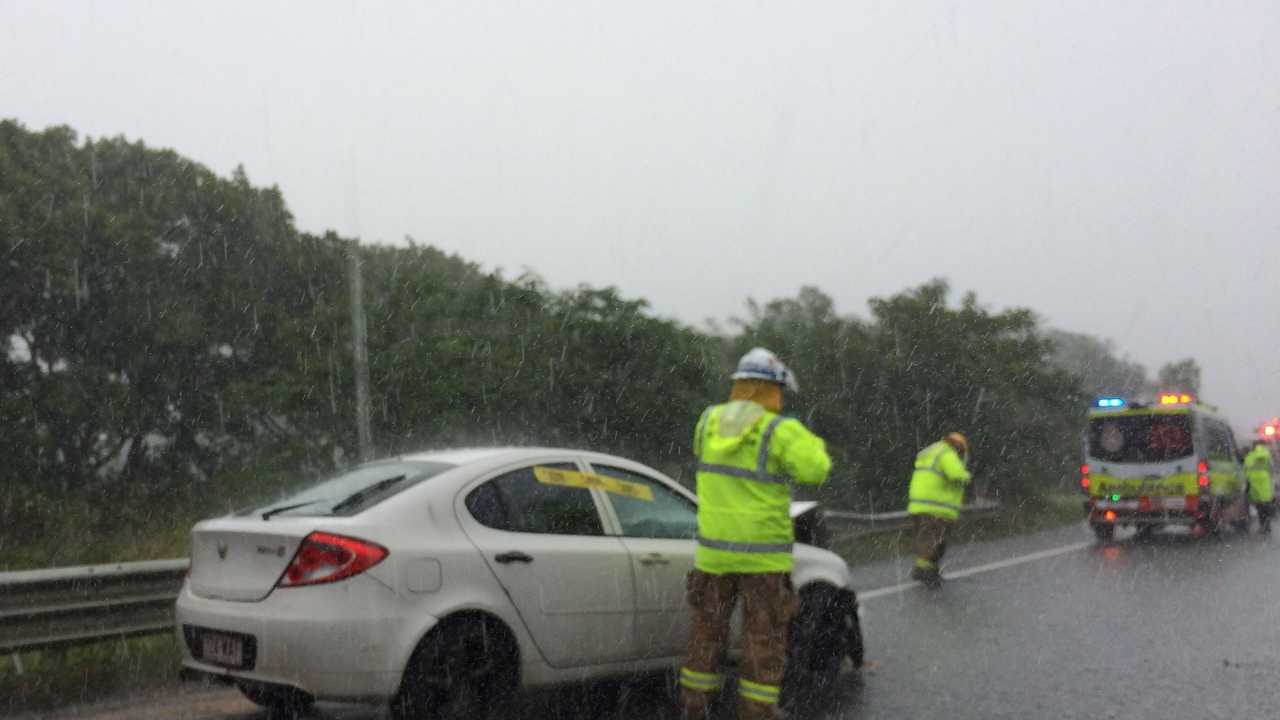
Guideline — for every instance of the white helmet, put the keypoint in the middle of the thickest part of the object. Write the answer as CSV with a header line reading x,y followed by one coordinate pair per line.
x,y
761,364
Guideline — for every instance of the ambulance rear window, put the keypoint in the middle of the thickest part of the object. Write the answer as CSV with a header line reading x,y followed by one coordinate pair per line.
x,y
1140,438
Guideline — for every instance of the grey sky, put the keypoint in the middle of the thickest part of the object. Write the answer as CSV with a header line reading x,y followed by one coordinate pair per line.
x,y
1113,165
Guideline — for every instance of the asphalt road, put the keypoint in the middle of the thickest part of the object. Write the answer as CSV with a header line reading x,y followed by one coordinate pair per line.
x,y
1050,625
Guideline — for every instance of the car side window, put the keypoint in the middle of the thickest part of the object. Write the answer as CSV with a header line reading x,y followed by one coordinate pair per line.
x,y
1221,443
667,515
1236,457
517,502
485,505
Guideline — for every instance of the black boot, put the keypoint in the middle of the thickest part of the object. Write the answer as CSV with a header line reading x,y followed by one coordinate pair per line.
x,y
929,577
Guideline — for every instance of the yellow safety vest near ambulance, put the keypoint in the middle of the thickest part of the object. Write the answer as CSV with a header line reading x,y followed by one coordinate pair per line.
x,y
1172,461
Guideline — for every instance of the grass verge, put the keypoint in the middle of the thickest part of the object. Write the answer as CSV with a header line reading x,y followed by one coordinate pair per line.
x,y
44,533
46,679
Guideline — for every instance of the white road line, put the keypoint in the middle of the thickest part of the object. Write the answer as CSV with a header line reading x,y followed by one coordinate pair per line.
x,y
979,569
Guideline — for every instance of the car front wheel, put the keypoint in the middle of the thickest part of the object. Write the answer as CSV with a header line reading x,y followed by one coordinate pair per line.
x,y
822,634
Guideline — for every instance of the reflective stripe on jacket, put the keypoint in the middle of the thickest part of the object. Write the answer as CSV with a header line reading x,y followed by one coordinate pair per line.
x,y
1257,466
938,482
747,459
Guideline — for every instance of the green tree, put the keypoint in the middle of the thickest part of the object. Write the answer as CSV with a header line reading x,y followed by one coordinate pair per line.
x,y
878,391
174,341
149,307
1180,376
459,357
1095,362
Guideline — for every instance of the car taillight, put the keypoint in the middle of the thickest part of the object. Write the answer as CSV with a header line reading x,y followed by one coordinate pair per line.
x,y
1084,477
326,558
1202,470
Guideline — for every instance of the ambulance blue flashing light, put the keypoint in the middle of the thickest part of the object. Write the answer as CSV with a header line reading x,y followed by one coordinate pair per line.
x,y
1110,402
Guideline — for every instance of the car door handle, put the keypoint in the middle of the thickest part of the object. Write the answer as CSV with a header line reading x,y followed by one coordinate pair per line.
x,y
654,559
512,556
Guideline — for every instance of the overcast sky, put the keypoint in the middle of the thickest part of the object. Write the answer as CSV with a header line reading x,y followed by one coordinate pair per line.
x,y
1113,165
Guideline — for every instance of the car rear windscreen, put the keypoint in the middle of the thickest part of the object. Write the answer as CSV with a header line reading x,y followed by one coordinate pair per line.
x,y
353,491
1140,438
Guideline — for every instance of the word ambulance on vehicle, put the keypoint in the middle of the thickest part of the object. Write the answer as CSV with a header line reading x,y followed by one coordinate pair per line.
x,y
1171,461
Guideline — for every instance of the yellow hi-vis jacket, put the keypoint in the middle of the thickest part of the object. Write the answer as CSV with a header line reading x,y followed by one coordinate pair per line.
x,y
747,459
937,485
1257,465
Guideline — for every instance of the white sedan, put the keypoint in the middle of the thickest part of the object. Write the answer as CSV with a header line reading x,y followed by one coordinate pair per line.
x,y
438,581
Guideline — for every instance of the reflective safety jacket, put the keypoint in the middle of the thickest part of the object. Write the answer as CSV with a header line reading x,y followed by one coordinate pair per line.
x,y
937,485
747,459
1257,465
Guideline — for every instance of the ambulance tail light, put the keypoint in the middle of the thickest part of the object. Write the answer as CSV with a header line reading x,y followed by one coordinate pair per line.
x,y
1202,473
1084,477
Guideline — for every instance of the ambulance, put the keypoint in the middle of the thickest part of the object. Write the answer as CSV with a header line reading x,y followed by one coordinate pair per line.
x,y
1168,461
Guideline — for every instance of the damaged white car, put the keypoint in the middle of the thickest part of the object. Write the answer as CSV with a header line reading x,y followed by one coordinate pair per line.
x,y
435,582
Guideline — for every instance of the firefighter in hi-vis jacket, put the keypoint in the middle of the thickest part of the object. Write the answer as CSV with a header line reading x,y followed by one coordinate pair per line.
x,y
934,499
748,456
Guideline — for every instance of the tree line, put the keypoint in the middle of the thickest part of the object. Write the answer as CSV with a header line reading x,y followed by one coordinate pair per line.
x,y
175,343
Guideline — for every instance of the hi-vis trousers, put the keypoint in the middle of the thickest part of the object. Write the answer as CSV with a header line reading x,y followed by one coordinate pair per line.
x,y
768,606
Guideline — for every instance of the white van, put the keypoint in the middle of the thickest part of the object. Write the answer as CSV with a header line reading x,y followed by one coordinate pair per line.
x,y
1168,462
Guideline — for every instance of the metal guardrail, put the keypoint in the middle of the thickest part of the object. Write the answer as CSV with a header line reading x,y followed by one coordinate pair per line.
x,y
862,524
62,607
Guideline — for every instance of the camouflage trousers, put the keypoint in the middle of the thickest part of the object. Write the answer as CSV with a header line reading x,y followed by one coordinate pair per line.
x,y
768,604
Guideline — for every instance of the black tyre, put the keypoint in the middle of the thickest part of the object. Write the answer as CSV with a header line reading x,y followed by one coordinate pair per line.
x,y
853,631
1208,521
463,669
821,635
1207,527
1103,531
1241,524
281,700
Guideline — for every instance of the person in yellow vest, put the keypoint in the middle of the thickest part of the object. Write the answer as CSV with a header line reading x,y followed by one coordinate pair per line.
x,y
748,457
934,500
1257,466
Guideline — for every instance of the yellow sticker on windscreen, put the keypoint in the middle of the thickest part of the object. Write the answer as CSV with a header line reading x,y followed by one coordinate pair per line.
x,y
575,479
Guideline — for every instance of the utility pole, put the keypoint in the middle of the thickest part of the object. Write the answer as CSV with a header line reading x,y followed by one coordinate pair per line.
x,y
360,357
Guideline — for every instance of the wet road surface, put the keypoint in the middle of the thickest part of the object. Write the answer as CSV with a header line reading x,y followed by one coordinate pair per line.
x,y
1050,625
1169,627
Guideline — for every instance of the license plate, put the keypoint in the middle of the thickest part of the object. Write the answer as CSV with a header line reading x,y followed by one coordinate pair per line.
x,y
222,649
